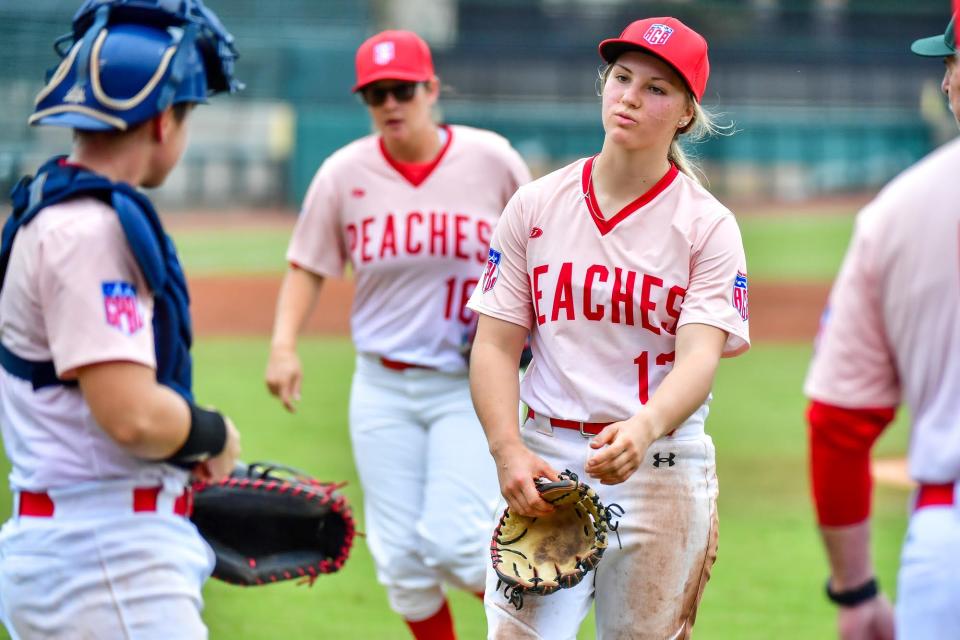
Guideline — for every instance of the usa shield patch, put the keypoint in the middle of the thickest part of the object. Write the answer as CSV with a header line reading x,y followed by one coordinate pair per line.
x,y
121,307
492,272
740,298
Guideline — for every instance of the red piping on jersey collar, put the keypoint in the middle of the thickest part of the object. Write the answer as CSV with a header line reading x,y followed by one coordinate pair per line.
x,y
605,225
416,172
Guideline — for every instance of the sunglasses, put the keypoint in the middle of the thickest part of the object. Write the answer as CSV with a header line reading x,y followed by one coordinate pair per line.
x,y
402,92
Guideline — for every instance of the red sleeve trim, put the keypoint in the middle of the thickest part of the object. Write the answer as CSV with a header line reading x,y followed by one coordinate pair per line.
x,y
840,444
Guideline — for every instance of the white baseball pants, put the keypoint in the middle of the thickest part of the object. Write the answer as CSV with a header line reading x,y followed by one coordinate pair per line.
x,y
648,586
429,483
97,570
928,589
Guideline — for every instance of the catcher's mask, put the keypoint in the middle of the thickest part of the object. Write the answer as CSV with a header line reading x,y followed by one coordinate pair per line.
x,y
125,61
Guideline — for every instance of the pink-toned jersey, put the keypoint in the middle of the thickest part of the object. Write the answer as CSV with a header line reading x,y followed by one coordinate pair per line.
x,y
892,329
75,295
415,249
604,295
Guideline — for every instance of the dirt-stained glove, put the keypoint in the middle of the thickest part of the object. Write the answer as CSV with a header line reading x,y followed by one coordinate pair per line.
x,y
268,523
541,555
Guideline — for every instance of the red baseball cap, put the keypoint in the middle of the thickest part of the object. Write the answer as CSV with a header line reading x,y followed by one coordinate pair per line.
x,y
670,40
393,55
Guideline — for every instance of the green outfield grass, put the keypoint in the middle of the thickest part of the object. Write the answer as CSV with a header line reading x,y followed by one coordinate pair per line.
x,y
767,582
781,246
233,251
795,247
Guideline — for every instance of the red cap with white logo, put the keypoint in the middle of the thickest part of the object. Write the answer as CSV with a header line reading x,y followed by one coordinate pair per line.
x,y
670,40
393,55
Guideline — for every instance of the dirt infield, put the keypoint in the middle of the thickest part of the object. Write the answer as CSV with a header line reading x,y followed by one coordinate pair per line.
x,y
244,305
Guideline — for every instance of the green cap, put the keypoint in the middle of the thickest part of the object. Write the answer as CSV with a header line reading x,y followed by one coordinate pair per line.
x,y
936,46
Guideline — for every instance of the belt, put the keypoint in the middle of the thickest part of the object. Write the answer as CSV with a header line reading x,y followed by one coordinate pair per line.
x,y
396,365
586,429
41,505
934,495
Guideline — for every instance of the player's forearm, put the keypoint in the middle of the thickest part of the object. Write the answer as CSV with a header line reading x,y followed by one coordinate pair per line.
x,y
145,418
298,295
162,427
848,549
496,393
683,390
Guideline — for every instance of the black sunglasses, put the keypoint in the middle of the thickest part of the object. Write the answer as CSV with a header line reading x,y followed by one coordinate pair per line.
x,y
402,92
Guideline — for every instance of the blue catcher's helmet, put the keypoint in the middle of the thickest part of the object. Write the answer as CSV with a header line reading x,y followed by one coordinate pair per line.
x,y
125,61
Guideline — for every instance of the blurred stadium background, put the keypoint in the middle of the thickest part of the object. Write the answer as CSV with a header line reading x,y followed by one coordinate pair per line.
x,y
824,95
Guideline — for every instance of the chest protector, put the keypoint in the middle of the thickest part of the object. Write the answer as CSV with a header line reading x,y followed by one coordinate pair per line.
x,y
153,250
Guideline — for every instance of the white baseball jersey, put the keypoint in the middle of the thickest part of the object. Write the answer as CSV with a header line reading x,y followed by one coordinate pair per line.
x,y
604,294
415,243
75,295
892,329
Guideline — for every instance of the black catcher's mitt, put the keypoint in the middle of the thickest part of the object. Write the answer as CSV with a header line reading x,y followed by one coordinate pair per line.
x,y
542,555
268,523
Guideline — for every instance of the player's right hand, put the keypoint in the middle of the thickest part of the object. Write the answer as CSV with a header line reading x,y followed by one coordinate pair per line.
x,y
284,375
517,469
620,448
872,620
221,466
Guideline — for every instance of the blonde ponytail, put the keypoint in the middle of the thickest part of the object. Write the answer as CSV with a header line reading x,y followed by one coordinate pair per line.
x,y
702,126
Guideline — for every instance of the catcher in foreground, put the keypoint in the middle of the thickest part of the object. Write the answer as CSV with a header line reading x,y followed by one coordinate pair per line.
x,y
541,555
100,423
268,523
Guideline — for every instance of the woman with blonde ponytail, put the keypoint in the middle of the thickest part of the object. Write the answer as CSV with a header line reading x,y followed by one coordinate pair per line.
x,y
632,283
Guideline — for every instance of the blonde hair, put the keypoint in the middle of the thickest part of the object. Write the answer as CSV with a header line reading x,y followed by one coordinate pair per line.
x,y
701,126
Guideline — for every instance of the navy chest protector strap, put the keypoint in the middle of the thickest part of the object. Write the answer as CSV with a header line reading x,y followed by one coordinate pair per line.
x,y
153,250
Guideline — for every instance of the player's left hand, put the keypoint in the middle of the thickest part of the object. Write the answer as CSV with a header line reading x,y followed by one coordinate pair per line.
x,y
622,446
222,465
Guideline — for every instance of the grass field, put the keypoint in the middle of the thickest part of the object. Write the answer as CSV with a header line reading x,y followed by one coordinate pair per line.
x,y
795,247
235,251
788,246
768,579
767,582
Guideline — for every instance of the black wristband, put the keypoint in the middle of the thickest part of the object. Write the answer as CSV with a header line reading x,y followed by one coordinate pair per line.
x,y
852,597
206,439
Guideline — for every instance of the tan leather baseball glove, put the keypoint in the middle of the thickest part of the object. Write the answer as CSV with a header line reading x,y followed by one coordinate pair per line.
x,y
542,555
